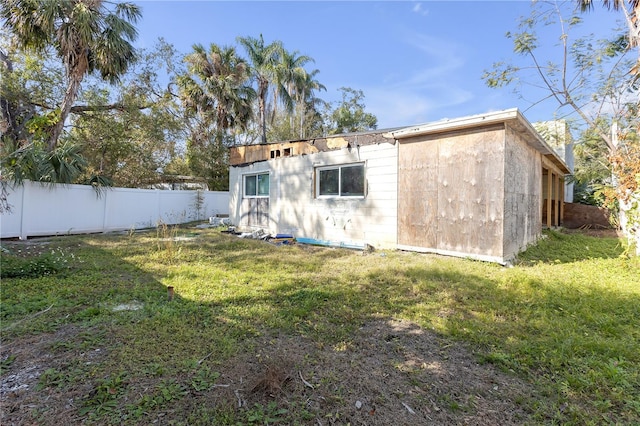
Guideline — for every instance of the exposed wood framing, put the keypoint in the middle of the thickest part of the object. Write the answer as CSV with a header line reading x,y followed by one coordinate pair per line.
x,y
552,194
247,154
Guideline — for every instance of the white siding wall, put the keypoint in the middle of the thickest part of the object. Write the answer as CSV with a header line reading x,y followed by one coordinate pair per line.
x,y
295,209
75,209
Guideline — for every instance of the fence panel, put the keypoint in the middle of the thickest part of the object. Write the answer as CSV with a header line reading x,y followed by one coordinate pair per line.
x,y
38,210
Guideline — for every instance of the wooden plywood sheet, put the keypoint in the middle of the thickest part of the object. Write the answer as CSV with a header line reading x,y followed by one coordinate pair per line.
x,y
417,194
523,193
470,192
451,191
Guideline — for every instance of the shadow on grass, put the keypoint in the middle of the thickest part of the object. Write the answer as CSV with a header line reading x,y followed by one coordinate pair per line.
x,y
564,333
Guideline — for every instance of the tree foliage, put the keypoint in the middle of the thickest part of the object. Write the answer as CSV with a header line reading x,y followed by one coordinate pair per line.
x,y
87,36
631,12
589,78
218,101
350,115
31,82
125,132
131,116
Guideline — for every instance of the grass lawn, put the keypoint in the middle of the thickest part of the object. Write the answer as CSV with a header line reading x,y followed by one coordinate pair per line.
x,y
264,334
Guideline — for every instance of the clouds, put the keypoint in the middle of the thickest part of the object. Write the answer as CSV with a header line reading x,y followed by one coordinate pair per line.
x,y
426,84
417,8
404,107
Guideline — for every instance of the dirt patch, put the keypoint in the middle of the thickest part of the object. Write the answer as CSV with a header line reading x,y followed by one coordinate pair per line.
x,y
32,360
392,372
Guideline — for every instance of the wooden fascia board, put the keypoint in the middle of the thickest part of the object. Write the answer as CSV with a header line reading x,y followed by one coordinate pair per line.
x,y
548,163
455,124
523,125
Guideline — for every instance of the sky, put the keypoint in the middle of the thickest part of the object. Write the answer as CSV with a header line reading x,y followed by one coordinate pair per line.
x,y
415,61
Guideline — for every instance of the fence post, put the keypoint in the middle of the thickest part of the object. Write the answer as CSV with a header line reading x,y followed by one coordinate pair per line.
x,y
105,206
23,230
159,210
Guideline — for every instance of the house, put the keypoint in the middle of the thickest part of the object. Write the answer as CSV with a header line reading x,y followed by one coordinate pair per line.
x,y
481,187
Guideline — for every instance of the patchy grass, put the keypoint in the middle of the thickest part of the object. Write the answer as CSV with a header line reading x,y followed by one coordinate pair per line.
x,y
565,319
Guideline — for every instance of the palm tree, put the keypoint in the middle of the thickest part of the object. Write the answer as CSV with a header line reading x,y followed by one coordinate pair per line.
x,y
290,74
219,98
86,35
218,89
306,100
263,60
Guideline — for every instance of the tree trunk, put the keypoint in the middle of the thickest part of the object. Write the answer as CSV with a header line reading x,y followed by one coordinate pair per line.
x,y
70,96
262,94
9,109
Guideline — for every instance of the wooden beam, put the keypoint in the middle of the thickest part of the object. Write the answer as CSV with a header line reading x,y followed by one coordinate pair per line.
x,y
556,193
562,200
549,196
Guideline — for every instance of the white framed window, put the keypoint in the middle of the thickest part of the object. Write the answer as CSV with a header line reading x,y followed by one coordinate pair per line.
x,y
345,180
256,185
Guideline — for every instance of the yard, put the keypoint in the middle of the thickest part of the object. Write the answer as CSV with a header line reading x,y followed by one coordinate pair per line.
x,y
262,334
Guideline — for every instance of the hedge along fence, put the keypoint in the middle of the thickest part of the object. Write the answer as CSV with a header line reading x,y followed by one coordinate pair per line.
x,y
38,209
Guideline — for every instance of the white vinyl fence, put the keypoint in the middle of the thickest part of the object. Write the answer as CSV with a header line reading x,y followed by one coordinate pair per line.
x,y
38,210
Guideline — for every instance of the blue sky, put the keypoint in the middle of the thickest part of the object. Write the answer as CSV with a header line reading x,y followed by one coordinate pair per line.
x,y
415,61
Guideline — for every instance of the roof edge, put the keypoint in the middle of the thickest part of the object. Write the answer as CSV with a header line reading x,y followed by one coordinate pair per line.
x,y
504,116
456,123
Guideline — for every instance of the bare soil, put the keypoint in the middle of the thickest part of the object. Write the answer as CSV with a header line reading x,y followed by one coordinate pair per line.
x,y
391,373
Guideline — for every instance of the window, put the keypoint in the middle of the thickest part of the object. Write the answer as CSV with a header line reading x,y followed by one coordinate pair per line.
x,y
256,185
340,181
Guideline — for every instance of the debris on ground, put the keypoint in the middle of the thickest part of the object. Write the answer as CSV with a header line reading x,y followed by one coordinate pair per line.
x,y
219,221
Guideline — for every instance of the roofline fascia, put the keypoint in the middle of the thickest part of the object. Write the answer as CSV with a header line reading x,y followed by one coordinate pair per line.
x,y
456,123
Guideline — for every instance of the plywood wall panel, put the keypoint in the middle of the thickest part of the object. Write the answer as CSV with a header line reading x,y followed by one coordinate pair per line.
x,y
417,194
470,192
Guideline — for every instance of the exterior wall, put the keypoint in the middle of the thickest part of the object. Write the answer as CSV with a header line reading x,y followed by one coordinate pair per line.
x,y
451,193
469,187
293,207
78,209
523,194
